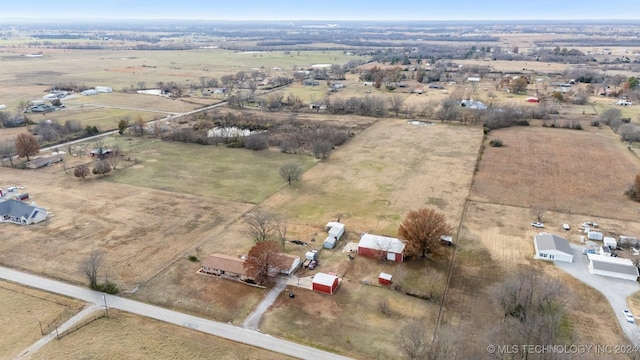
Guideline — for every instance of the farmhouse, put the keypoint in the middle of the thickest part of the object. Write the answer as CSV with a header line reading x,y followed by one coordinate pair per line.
x,y
103,89
325,283
44,161
335,231
20,213
287,263
89,92
381,247
230,266
552,248
612,267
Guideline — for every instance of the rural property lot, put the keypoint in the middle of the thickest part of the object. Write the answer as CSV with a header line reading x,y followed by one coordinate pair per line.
x,y
583,172
127,336
21,310
141,230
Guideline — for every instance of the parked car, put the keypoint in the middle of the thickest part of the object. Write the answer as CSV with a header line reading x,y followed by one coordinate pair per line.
x,y
566,226
629,316
313,264
589,224
537,224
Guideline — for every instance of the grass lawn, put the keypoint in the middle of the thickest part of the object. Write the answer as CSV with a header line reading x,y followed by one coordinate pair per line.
x,y
217,171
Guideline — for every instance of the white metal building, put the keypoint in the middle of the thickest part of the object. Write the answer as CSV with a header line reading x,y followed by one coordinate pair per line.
x,y
552,248
612,267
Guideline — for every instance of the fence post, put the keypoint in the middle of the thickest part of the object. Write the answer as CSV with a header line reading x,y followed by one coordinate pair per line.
x,y
40,323
57,335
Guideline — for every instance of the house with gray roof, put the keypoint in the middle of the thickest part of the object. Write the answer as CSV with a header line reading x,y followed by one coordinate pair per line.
x,y
552,248
17,212
613,267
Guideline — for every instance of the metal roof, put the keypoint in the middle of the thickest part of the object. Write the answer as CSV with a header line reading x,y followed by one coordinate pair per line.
x,y
552,242
618,265
382,243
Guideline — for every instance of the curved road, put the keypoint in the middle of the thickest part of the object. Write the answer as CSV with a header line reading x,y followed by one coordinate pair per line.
x,y
223,330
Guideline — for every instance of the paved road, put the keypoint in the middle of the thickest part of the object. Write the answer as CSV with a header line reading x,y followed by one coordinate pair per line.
x,y
615,290
253,320
223,330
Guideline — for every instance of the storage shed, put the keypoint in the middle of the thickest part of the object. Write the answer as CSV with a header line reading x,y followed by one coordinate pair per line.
x,y
612,267
552,248
384,278
325,283
610,242
381,247
595,235
335,230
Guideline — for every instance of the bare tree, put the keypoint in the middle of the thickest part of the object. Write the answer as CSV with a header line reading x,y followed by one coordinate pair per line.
x,y
321,148
8,151
90,266
282,227
27,145
81,171
449,110
422,229
396,103
609,115
260,225
102,167
263,261
291,172
412,340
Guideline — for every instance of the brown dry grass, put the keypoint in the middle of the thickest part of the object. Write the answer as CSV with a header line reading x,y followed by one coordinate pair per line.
x,y
21,310
584,172
139,239
127,336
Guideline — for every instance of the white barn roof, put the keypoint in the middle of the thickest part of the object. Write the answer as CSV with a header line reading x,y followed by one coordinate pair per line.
x,y
324,279
382,243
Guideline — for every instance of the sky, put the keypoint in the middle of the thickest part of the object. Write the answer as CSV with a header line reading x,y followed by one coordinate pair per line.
x,y
325,9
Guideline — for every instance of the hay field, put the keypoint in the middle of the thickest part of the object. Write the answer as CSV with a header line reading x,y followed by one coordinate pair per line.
x,y
387,170
584,172
127,336
141,230
21,310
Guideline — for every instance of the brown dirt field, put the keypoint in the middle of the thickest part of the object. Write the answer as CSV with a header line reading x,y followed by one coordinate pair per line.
x,y
127,336
387,170
583,172
21,310
140,230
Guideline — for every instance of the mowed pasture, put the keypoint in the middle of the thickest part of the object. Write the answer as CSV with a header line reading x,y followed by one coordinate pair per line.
x,y
127,336
387,170
21,311
583,172
141,230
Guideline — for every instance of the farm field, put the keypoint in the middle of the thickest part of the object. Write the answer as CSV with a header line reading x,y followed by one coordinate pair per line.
x,y
126,336
583,172
141,230
21,311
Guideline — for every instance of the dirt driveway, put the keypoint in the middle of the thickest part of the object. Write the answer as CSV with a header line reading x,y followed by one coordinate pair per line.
x,y
615,290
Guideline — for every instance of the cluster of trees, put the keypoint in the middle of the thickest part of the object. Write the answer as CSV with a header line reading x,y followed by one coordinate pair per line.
x,y
269,234
9,119
90,266
51,131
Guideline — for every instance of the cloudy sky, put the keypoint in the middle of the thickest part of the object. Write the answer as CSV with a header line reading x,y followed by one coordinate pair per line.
x,y
325,9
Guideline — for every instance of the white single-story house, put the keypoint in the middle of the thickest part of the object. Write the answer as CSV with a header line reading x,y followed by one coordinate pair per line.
x,y
613,267
381,247
17,212
334,231
89,92
103,89
552,248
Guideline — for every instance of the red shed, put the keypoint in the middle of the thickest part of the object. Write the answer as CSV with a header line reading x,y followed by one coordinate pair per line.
x,y
381,247
325,283
384,278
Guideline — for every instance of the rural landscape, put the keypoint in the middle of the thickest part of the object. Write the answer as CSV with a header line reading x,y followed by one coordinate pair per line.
x,y
313,189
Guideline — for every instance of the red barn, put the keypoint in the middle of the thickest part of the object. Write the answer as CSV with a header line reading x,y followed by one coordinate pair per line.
x,y
381,247
325,283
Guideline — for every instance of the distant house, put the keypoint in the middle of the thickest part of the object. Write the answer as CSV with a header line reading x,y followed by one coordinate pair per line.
x,y
325,283
552,248
473,104
100,152
17,212
220,91
612,267
310,82
418,90
334,233
103,89
287,263
473,79
44,161
89,92
381,247
227,265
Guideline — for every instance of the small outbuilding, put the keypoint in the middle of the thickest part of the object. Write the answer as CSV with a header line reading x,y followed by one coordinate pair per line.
x,y
384,278
552,248
335,230
610,242
595,235
613,267
325,283
287,263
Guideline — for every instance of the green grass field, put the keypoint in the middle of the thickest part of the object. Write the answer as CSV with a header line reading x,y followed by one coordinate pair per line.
x,y
234,174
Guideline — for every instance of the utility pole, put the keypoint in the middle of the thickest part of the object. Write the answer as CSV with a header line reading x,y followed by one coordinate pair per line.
x,y
106,308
